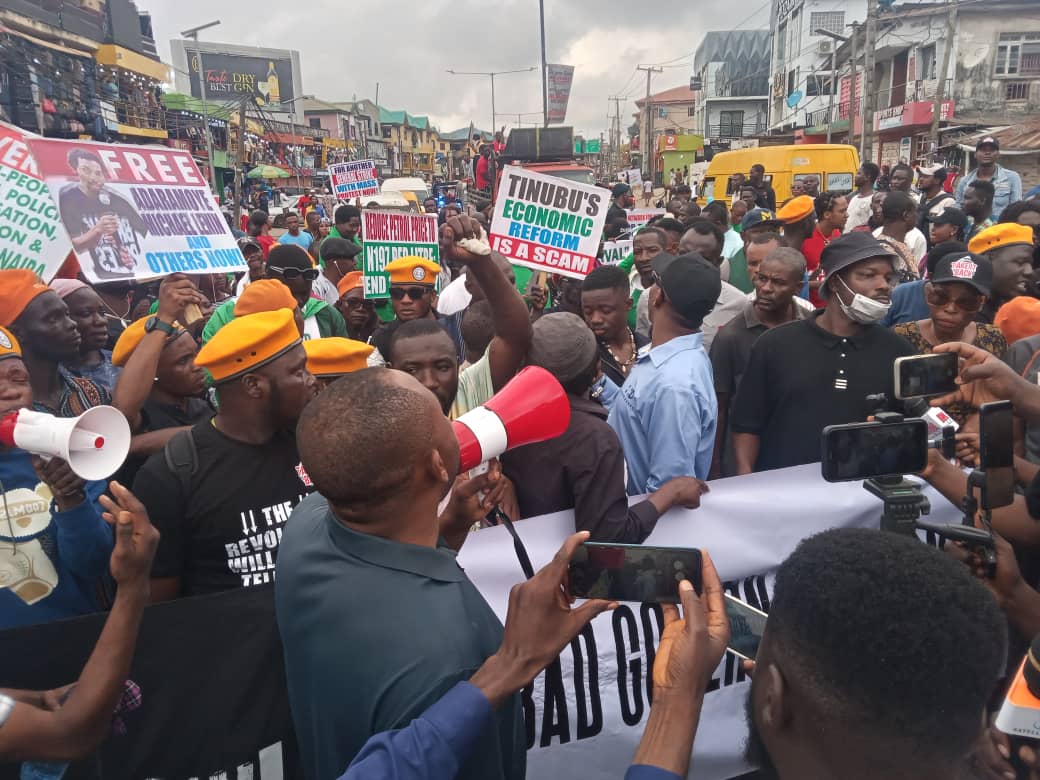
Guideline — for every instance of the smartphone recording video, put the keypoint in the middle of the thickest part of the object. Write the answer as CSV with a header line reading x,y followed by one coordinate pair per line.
x,y
746,625
632,572
920,376
996,454
871,450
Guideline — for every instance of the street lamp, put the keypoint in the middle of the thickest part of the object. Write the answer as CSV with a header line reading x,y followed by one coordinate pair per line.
x,y
838,37
492,74
193,33
292,126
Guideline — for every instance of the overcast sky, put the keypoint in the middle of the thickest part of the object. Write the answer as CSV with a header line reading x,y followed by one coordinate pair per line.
x,y
345,48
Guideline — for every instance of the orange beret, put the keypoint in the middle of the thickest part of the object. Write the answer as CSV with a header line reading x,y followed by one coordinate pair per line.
x,y
413,270
336,356
9,346
796,209
1004,234
1019,318
248,342
264,295
130,338
349,282
18,286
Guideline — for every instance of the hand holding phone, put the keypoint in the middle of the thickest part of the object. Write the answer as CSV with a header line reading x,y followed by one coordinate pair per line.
x,y
632,572
920,376
692,647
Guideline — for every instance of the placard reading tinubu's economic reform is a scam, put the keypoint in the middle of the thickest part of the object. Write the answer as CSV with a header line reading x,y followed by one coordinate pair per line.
x,y
135,212
547,223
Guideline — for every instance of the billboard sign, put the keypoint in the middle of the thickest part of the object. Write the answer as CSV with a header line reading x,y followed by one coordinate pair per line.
x,y
559,78
268,77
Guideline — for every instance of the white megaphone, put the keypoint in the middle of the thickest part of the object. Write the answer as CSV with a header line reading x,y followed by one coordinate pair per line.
x,y
532,407
94,444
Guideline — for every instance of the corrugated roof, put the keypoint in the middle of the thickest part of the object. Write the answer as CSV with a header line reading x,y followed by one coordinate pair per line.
x,y
463,134
387,117
673,95
1022,137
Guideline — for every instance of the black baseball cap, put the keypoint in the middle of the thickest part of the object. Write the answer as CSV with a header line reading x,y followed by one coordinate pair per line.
x,y
973,270
757,217
620,189
950,216
338,247
987,141
691,283
852,248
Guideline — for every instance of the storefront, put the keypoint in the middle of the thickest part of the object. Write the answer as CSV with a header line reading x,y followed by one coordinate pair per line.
x,y
678,153
130,86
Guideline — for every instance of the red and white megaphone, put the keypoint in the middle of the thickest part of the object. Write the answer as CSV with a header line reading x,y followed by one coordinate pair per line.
x,y
532,407
94,444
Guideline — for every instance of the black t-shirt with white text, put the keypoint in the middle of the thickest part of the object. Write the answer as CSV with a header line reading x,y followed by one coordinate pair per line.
x,y
114,256
225,533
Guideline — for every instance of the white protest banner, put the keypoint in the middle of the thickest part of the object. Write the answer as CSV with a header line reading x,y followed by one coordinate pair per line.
x,y
390,235
590,710
637,218
135,212
615,251
31,235
547,223
354,179
635,178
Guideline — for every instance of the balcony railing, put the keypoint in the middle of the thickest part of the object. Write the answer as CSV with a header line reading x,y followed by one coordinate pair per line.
x,y
727,131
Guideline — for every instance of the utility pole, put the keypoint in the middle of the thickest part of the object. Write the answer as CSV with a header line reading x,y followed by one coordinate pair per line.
x,y
867,139
239,160
615,134
647,143
545,68
853,69
940,88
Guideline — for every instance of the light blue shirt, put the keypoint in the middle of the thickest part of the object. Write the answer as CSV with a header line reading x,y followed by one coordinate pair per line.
x,y
1007,186
665,413
305,239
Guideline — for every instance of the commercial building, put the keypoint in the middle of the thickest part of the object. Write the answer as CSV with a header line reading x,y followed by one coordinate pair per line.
x,y
671,112
732,69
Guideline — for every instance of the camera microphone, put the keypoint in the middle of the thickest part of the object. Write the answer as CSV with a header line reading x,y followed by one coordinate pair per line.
x,y
938,422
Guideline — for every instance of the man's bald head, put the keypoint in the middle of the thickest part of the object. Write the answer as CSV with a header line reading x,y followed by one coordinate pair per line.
x,y
380,447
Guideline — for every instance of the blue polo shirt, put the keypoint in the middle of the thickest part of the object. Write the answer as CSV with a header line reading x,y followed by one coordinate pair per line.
x,y
665,414
374,633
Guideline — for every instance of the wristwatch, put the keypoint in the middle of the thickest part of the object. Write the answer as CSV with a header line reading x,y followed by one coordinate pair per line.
x,y
154,323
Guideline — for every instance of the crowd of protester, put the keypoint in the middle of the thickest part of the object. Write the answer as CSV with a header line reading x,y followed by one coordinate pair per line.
x,y
301,428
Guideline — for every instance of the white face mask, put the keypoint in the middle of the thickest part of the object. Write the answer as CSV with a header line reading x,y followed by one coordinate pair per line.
x,y
444,501
864,310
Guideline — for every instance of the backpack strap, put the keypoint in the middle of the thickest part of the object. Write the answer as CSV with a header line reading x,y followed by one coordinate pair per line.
x,y
182,458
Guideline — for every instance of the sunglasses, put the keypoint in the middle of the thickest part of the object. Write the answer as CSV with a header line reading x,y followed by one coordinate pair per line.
x,y
414,293
359,303
939,297
310,274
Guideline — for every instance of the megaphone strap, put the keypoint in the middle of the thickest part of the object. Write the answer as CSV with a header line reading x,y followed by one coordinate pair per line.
x,y
497,516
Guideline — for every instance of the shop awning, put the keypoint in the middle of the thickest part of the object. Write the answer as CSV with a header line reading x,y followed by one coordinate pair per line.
x,y
146,132
120,57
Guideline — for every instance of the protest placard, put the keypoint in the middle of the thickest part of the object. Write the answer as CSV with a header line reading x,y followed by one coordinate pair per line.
x,y
31,235
547,223
356,179
615,251
635,178
390,235
135,212
637,218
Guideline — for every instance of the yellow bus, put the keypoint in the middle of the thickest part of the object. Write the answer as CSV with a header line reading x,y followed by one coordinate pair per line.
x,y
835,164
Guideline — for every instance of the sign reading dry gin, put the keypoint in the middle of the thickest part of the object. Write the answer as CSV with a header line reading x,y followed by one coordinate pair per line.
x,y
390,235
354,179
547,223
637,218
31,235
135,212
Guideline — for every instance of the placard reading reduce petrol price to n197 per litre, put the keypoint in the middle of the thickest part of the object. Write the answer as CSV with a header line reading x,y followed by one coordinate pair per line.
x,y
389,235
547,223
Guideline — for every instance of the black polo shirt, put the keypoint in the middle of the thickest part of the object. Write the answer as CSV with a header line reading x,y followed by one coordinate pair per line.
x,y
801,378
731,347
376,631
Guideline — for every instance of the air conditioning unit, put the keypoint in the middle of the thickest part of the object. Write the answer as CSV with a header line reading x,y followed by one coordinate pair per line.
x,y
826,46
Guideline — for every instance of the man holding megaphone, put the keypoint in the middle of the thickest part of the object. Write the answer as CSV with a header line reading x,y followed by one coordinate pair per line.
x,y
54,544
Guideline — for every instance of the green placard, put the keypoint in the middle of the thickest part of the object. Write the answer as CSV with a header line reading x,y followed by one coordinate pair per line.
x,y
389,235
